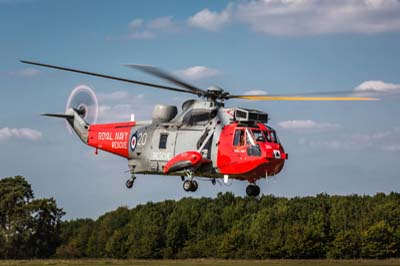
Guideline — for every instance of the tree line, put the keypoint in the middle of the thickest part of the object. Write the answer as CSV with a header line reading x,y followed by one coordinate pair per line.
x,y
322,226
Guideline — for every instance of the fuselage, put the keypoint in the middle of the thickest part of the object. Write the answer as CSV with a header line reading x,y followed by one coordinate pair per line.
x,y
238,149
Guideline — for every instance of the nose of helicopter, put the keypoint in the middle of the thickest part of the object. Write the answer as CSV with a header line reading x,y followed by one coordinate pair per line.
x,y
275,151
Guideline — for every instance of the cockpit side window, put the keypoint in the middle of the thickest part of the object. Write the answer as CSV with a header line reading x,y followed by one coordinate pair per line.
x,y
267,136
238,139
275,136
271,136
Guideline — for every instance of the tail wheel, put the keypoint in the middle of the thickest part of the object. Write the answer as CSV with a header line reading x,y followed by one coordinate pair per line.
x,y
129,183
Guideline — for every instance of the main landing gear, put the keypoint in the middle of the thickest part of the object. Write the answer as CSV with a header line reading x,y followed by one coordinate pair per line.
x,y
190,184
252,190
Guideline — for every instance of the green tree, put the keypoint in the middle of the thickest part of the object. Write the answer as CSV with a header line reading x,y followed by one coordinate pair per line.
x,y
379,241
75,237
346,245
29,228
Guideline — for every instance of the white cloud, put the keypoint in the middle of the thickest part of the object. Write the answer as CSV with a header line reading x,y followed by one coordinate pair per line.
x,y
306,124
306,17
198,72
119,112
162,24
313,17
393,148
20,133
136,23
255,92
209,20
25,73
377,86
119,105
141,35
388,140
117,95
141,30
287,18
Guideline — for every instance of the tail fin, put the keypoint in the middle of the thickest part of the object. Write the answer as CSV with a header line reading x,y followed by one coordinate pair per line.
x,y
78,124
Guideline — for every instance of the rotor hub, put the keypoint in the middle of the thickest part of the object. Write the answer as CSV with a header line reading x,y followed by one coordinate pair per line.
x,y
214,91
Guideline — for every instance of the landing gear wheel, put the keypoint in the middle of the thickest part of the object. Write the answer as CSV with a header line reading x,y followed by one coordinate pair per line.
x,y
253,190
190,185
194,186
187,185
129,183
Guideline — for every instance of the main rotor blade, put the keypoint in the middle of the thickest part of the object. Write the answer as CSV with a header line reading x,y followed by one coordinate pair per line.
x,y
108,77
167,76
358,93
298,98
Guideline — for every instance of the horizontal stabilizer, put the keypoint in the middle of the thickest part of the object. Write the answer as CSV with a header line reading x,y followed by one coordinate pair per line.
x,y
59,115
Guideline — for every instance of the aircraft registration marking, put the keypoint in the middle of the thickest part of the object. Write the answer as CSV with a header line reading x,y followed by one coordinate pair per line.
x,y
161,156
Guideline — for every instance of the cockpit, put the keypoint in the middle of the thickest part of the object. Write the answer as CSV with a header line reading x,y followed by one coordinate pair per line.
x,y
245,147
248,135
254,139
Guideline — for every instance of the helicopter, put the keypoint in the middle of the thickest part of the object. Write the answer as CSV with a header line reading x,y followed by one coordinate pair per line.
x,y
205,139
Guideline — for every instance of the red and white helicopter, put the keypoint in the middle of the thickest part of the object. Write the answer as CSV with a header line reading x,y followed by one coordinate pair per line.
x,y
205,139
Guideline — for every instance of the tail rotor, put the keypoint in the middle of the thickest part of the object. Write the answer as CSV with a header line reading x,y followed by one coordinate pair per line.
x,y
84,101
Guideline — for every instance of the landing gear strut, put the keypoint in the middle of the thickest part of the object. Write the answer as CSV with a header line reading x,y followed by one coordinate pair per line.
x,y
253,190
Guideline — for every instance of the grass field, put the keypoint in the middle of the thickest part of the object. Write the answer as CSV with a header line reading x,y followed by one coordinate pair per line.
x,y
199,262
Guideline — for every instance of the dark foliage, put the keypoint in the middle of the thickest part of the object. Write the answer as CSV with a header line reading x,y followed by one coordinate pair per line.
x,y
340,227
29,228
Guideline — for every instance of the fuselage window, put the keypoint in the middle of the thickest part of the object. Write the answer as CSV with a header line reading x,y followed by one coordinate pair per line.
x,y
271,136
238,140
163,141
268,136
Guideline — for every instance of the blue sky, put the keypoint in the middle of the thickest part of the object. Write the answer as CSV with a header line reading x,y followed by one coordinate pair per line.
x,y
274,46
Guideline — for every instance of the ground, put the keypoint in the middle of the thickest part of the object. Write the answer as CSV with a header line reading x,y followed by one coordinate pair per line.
x,y
199,262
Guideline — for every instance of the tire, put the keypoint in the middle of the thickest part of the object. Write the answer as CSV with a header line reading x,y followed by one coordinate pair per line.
x,y
250,190
129,183
194,186
187,185
256,191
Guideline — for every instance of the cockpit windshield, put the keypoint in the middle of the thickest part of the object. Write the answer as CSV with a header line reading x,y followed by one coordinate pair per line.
x,y
258,135
249,138
265,136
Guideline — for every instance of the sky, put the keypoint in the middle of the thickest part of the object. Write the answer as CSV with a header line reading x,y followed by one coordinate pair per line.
x,y
270,46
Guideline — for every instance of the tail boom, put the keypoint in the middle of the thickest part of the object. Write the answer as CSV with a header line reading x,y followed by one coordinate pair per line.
x,y
113,138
